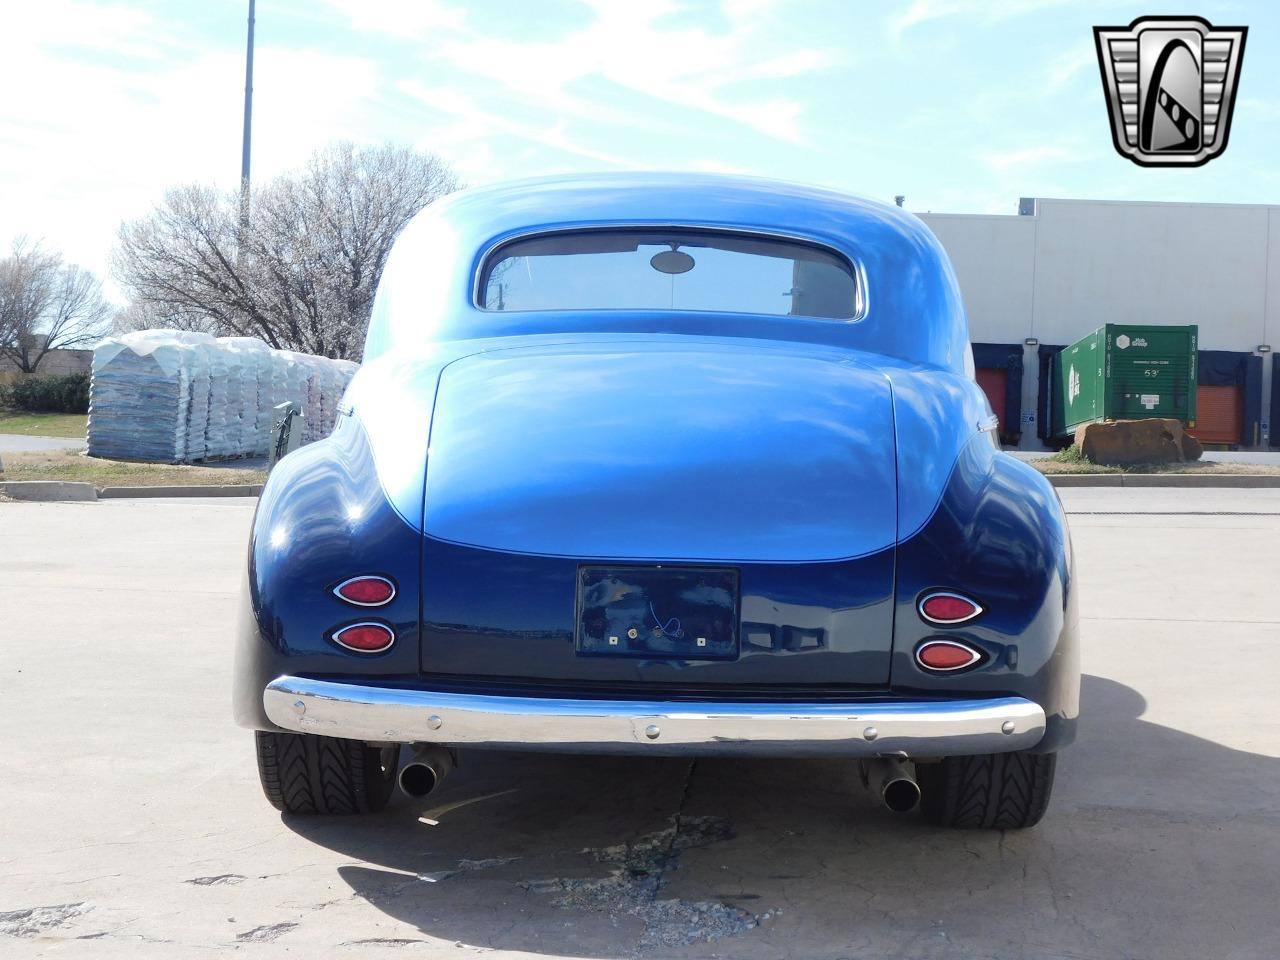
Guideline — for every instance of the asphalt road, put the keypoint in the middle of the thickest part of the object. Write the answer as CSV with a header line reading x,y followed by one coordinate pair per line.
x,y
131,823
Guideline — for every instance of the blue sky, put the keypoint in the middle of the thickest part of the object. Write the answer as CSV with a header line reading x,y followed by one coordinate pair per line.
x,y
961,106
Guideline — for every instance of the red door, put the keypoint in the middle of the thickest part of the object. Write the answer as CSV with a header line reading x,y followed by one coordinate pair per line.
x,y
1219,414
994,382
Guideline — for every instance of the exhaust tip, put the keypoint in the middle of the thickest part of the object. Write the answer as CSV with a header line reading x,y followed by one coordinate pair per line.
x,y
901,795
426,769
418,779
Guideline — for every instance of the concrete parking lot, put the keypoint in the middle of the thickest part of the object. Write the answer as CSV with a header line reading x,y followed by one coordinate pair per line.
x,y
20,443
131,822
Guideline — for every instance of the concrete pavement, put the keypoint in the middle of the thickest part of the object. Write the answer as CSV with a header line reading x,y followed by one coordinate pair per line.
x,y
18,443
131,822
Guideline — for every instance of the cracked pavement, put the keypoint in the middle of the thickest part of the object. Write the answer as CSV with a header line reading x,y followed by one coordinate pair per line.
x,y
132,825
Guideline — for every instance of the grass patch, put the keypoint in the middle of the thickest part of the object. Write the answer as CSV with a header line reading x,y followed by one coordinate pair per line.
x,y
43,424
61,465
1071,461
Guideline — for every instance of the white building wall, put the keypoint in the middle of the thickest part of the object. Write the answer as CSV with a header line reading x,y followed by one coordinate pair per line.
x,y
994,260
1271,321
1077,264
1167,263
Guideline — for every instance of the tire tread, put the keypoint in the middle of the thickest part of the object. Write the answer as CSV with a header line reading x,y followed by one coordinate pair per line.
x,y
1002,791
307,774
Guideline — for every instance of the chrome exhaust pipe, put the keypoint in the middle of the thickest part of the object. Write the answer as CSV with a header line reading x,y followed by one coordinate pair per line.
x,y
893,780
426,770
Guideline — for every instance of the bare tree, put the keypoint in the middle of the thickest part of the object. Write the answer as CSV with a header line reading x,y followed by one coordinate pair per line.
x,y
302,273
47,304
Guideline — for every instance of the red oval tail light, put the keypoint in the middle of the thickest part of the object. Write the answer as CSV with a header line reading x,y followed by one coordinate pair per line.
x,y
946,655
948,608
366,591
365,637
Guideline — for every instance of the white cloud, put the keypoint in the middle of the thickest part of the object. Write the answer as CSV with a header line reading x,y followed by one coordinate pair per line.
x,y
788,65
399,18
921,11
1010,160
473,124
115,27
108,103
927,11
1258,109
630,46
1064,68
94,139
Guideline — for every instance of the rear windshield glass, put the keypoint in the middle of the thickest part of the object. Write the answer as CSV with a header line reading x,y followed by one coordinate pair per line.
x,y
669,270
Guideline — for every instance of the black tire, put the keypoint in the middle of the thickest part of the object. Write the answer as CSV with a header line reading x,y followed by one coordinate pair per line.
x,y
1000,791
302,773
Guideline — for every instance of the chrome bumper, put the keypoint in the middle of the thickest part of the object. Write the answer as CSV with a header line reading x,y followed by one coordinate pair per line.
x,y
906,728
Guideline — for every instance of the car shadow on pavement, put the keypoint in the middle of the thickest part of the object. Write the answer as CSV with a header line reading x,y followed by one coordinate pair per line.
x,y
1157,843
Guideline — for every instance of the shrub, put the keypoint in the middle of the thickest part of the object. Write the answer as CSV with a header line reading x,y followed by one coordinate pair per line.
x,y
69,394
1070,454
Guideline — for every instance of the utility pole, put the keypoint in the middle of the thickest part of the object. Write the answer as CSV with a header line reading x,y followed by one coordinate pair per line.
x,y
248,125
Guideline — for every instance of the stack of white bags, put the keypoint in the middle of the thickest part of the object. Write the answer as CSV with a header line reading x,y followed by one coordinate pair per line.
x,y
175,397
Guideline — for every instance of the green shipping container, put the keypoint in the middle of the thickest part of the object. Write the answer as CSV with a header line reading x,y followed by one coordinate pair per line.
x,y
1125,372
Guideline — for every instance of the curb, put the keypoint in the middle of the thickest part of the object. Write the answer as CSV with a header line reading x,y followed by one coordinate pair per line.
x,y
1085,479
1225,480
48,491
54,491
1255,480
140,493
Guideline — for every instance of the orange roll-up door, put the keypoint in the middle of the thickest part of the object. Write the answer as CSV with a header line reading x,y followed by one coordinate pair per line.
x,y
1219,414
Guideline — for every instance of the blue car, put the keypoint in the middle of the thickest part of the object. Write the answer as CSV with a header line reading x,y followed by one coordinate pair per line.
x,y
659,464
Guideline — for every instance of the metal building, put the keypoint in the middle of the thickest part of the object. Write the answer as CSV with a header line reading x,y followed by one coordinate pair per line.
x,y
1061,268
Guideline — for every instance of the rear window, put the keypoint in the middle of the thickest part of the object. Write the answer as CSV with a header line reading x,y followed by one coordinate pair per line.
x,y
656,269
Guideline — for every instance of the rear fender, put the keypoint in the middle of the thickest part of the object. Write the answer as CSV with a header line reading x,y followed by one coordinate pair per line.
x,y
998,536
323,517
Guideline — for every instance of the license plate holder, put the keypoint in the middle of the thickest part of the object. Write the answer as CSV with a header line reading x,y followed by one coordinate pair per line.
x,y
657,612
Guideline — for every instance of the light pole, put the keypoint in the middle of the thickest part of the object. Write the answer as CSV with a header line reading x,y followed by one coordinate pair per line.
x,y
248,125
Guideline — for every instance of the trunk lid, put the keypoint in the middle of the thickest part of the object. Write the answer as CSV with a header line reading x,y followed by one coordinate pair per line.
x,y
663,451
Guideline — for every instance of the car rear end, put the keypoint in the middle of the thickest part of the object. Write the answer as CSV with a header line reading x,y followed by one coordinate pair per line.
x,y
730,519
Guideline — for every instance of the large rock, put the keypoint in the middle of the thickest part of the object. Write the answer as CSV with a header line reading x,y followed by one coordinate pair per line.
x,y
1123,443
1191,447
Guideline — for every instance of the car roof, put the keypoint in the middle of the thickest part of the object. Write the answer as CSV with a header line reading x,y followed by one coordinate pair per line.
x,y
912,305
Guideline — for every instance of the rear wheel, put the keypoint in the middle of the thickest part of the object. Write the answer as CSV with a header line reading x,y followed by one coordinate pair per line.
x,y
1002,791
303,773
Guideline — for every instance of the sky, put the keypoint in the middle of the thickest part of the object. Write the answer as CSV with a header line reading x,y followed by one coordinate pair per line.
x,y
963,107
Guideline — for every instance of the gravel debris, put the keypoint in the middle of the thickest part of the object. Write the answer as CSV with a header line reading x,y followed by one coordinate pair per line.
x,y
265,934
36,920
634,886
